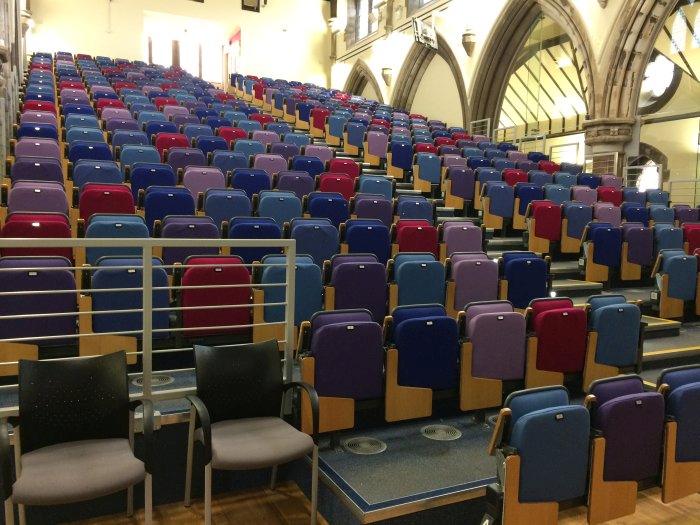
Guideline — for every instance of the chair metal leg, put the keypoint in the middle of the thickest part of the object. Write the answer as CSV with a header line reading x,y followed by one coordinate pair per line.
x,y
148,499
314,485
130,501
190,454
273,478
207,494
9,511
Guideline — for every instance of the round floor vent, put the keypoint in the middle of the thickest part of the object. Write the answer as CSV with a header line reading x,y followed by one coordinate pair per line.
x,y
156,380
364,446
441,432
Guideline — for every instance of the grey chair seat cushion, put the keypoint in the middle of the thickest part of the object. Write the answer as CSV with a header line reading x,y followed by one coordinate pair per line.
x,y
245,444
77,471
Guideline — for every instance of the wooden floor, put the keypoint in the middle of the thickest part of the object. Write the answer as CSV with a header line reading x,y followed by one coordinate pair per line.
x,y
286,505
650,511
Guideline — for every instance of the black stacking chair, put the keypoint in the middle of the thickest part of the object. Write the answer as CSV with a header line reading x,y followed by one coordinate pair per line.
x,y
74,435
236,415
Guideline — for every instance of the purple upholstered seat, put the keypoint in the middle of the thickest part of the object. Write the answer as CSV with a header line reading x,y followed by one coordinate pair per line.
x,y
370,206
475,278
199,179
377,144
612,181
188,227
606,212
266,137
516,156
321,319
285,149
349,359
37,147
461,236
584,195
462,182
272,164
321,152
498,338
180,158
640,243
37,197
360,284
632,423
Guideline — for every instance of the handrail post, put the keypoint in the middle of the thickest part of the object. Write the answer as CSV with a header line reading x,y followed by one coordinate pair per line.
x,y
147,305
290,343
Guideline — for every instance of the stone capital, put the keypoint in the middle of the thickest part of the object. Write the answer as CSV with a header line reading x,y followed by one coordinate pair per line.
x,y
611,134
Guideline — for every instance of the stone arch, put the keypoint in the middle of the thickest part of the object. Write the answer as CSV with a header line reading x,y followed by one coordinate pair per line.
x,y
499,57
624,61
414,68
359,77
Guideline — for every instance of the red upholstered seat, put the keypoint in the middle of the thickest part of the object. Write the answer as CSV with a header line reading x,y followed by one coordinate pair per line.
x,y
691,235
512,176
232,134
105,198
547,217
347,166
417,236
610,194
548,166
37,226
318,117
562,333
338,183
215,271
422,147
171,140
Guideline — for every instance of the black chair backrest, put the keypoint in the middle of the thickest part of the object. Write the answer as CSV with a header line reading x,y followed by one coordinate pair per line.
x,y
73,400
239,382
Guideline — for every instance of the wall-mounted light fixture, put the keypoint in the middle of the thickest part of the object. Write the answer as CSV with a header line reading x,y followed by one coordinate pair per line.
x,y
469,41
387,75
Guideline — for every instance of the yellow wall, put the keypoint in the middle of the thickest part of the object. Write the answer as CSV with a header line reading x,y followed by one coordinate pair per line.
x,y
294,30
437,94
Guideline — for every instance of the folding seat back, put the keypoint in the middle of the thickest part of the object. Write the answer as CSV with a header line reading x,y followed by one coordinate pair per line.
x,y
568,180
37,147
105,226
616,325
412,207
561,332
323,153
525,277
685,213
331,206
557,193
288,151
368,236
228,161
428,167
111,274
377,143
681,386
252,181
376,184
661,214
199,179
315,237
38,117
282,206
359,282
210,144
461,236
640,243
681,270
24,275
131,154
347,166
298,182
584,195
159,202
501,198
265,137
33,226
145,174
497,337
611,195
224,204
204,275
89,150
36,168
525,193
45,131
311,165
309,288
165,141
192,131
472,152
416,235
634,195
691,235
86,121
612,181
667,237
249,148
514,176
338,183
461,182
630,421
606,212
568,167
475,162
633,212
84,134
658,197
253,228
547,217
590,180
428,350
154,128
370,206
419,279
547,165
607,240
37,197
475,279
551,440
187,227
105,198
299,139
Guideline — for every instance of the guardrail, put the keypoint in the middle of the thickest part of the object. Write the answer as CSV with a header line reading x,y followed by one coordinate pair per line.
x,y
138,343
